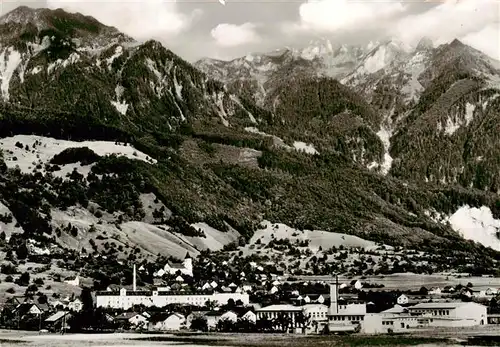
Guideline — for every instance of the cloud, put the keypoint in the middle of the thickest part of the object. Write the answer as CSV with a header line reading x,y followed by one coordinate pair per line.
x,y
486,40
450,20
143,19
475,22
229,35
343,15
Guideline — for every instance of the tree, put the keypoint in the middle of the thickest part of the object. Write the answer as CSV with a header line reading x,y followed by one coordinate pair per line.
x,y
86,298
22,251
199,323
24,279
226,325
423,291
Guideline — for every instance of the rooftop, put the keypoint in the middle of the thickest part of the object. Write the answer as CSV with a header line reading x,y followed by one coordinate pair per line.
x,y
282,307
438,305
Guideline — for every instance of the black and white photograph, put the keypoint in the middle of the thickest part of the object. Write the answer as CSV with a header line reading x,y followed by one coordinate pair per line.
x,y
249,173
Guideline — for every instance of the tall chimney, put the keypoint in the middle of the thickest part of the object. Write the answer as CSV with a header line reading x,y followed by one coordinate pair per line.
x,y
334,306
134,283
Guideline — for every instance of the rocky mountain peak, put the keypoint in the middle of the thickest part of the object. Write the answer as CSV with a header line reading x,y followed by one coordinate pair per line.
x,y
457,43
316,49
31,25
425,44
21,15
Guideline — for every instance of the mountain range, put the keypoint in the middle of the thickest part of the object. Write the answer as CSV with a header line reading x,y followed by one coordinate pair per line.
x,y
385,141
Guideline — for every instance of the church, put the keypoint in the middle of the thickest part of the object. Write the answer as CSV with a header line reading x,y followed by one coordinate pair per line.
x,y
186,267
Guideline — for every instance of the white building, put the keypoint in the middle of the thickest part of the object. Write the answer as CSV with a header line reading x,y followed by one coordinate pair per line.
x,y
75,305
229,316
124,299
250,316
424,315
435,291
74,282
317,317
186,268
316,312
275,311
402,299
172,322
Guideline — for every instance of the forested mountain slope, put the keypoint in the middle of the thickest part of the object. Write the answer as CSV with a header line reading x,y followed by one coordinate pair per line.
x,y
181,148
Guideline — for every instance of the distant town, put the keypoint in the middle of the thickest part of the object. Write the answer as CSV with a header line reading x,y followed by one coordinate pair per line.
x,y
270,302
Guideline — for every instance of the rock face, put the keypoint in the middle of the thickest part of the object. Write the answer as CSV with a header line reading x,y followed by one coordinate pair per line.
x,y
357,140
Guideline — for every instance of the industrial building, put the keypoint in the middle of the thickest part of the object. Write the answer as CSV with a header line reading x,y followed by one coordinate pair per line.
x,y
160,297
344,317
424,315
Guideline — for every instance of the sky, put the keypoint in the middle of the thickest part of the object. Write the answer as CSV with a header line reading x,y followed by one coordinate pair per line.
x,y
206,28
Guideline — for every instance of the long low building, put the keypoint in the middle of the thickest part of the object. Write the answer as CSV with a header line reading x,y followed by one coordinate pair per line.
x,y
124,299
424,315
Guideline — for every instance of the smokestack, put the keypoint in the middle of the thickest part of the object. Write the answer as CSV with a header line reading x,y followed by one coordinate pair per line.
x,y
134,283
334,306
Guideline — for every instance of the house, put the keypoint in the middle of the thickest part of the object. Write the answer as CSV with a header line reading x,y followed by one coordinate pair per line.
x,y
167,322
58,321
229,316
133,319
358,285
467,292
73,281
75,305
491,291
212,319
31,309
402,299
249,316
435,291
58,303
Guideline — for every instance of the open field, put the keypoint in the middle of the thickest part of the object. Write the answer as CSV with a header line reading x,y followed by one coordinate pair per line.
x,y
22,339
408,281
471,336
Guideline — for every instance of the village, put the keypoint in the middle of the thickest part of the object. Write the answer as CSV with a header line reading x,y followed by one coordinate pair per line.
x,y
267,301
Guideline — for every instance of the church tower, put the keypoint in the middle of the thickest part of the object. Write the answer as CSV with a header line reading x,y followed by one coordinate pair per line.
x,y
188,264
334,297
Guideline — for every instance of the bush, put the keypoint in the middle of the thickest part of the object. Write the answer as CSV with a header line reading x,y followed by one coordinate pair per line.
x,y
84,155
8,269
23,280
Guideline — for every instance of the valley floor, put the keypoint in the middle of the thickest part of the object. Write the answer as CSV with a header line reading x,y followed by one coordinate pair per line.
x,y
421,338
409,281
